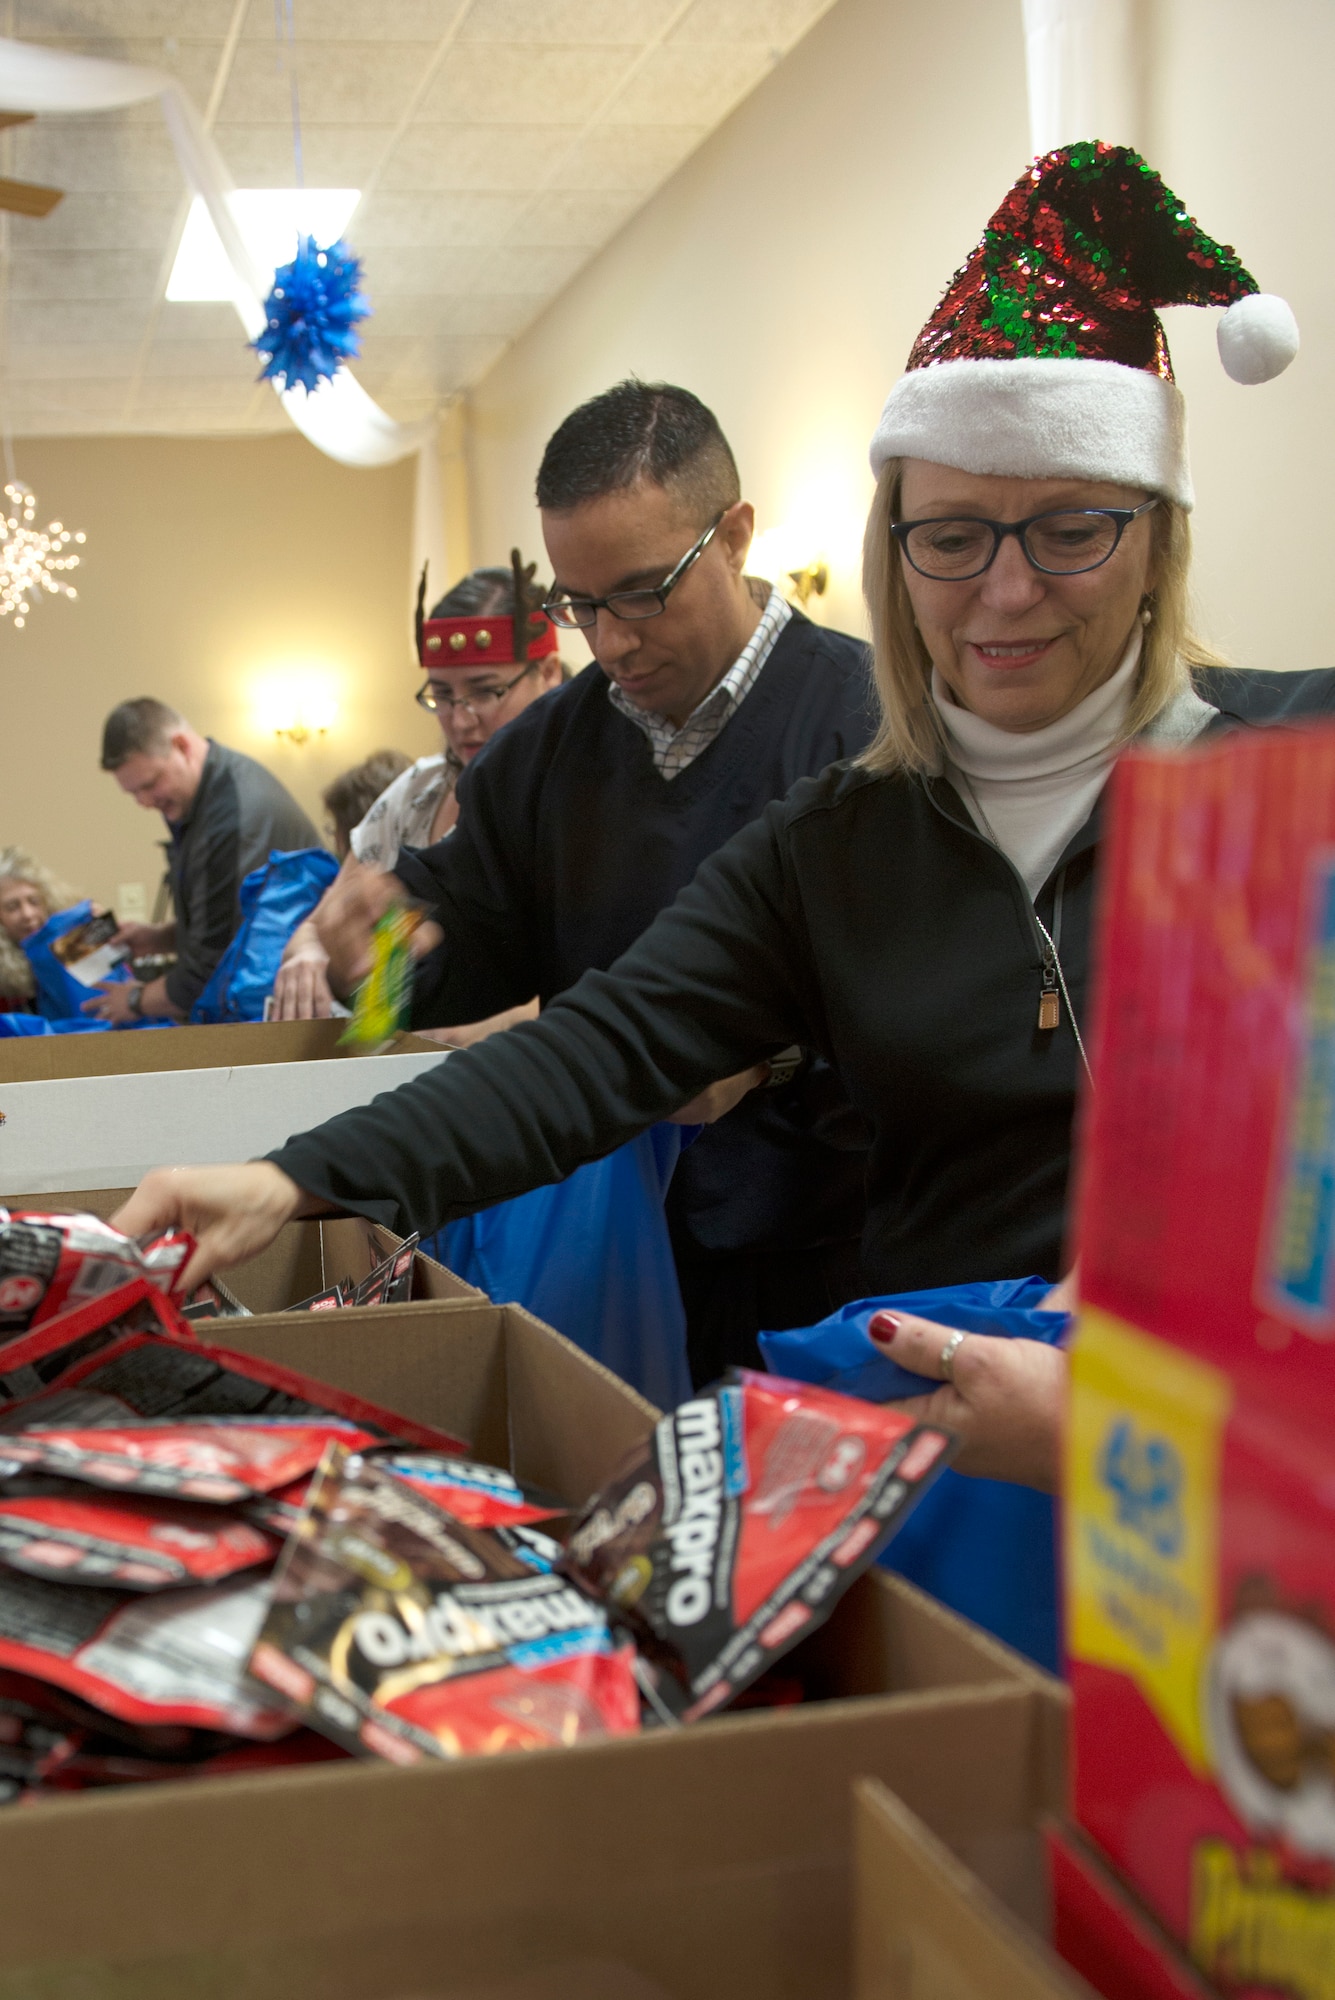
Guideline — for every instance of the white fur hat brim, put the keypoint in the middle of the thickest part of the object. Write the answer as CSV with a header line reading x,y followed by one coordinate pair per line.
x,y
1035,418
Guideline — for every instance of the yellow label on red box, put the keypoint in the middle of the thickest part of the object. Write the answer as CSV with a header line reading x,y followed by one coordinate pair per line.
x,y
1144,1445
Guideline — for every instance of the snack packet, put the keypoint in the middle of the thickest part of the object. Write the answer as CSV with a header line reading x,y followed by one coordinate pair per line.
x,y
402,1633
381,1003
51,1529
481,1496
49,1263
391,1282
178,1656
219,1460
86,951
733,1530
129,1356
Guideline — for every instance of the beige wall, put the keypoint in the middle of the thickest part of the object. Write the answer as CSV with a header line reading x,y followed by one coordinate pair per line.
x,y
216,573
784,271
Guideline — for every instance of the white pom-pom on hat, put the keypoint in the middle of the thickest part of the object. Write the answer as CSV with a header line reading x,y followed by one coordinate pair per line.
x,y
1258,337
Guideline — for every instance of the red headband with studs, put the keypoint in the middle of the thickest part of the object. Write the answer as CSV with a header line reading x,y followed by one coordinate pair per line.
x,y
483,642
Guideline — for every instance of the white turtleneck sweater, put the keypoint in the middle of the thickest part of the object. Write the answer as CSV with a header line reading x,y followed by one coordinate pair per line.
x,y
1033,791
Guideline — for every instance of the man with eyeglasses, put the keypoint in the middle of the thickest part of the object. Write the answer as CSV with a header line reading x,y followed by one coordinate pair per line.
x,y
477,680
711,696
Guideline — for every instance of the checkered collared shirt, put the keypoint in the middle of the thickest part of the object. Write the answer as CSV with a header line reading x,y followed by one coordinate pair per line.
x,y
673,749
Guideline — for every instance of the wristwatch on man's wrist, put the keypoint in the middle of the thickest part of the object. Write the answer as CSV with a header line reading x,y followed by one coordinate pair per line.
x,y
136,1000
784,1067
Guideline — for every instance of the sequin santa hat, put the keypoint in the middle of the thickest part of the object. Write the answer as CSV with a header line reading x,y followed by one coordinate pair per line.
x,y
1046,357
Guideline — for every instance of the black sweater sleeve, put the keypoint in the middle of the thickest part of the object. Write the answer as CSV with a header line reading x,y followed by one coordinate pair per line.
x,y
478,883
720,980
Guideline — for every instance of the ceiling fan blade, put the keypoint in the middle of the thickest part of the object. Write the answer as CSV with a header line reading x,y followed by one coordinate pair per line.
x,y
27,198
8,118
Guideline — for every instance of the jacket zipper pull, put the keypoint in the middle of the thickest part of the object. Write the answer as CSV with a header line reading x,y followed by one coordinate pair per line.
x,y
1049,1000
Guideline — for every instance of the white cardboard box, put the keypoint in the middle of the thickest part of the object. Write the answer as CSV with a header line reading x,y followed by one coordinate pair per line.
x,y
99,1111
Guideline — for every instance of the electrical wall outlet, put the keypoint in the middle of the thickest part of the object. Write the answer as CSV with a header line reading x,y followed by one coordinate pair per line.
x,y
132,903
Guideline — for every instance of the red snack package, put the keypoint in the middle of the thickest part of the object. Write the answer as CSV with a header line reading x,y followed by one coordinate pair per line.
x,y
175,1657
75,1765
220,1460
483,1496
51,1262
733,1530
403,1633
51,1530
132,1352
391,1282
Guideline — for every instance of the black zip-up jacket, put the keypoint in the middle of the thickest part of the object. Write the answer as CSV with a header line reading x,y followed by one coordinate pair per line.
x,y
863,916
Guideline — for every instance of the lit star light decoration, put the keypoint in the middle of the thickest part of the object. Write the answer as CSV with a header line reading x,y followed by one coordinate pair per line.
x,y
312,314
31,559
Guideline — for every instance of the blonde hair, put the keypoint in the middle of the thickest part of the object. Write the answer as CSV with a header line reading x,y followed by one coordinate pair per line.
x,y
17,865
909,736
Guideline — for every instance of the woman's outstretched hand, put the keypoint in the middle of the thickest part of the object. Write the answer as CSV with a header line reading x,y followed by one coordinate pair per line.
x,y
1005,1399
232,1212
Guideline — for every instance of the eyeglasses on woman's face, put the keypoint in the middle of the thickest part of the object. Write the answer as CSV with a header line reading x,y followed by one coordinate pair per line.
x,y
953,549
481,703
580,613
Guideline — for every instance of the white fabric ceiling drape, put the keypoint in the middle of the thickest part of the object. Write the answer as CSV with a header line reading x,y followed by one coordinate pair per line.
x,y
340,418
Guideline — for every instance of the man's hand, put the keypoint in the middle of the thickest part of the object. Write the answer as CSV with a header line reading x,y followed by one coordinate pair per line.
x,y
111,1002
301,990
145,940
715,1102
1005,1400
348,914
232,1212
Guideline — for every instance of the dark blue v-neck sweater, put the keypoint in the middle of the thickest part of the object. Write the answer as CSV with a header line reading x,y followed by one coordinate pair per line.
x,y
569,843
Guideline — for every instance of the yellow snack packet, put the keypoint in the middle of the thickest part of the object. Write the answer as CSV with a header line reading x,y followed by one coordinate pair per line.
x,y
381,1003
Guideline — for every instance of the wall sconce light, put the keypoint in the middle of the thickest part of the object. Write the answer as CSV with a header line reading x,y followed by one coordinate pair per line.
x,y
295,706
809,581
300,732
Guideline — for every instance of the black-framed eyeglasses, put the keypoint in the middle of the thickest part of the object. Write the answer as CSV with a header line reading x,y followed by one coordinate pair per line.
x,y
582,612
951,550
481,703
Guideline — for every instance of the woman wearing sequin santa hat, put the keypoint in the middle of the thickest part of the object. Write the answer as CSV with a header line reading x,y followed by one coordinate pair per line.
x,y
920,917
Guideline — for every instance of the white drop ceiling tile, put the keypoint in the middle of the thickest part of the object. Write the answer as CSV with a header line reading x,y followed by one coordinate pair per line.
x,y
101,222
90,394
772,24
353,83
501,315
54,361
334,155
567,21
425,272
533,268
472,156
59,20
580,220
82,274
75,322
454,361
182,320
709,81
626,157
461,219
511,84
226,359
97,155
354,21
191,60
201,392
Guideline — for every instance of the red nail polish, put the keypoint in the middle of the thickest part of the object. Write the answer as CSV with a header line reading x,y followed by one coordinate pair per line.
x,y
883,1326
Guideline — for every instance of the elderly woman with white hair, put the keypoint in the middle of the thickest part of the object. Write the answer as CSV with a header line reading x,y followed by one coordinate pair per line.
x,y
923,916
29,894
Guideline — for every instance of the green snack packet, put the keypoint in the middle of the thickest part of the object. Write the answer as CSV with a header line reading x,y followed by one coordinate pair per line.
x,y
381,1003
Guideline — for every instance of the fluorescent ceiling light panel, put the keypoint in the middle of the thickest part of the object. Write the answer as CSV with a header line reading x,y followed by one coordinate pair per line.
x,y
270,220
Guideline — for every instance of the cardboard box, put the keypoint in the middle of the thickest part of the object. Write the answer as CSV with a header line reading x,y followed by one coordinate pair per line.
x,y
97,1111
303,1258
1200,1536
929,1927
702,1864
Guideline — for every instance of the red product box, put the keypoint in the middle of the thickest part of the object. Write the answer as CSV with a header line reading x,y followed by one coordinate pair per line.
x,y
1103,1935
1200,1483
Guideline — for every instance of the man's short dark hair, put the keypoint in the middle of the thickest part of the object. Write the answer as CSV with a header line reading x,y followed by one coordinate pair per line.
x,y
640,431
133,726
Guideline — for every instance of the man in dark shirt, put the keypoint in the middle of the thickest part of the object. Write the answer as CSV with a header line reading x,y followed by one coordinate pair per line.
x,y
582,819
225,813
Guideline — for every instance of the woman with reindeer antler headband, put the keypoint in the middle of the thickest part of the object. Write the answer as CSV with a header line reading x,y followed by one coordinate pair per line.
x,y
483,665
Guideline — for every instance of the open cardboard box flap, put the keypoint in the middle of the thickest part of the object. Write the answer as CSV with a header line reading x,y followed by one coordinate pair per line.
x,y
46,1058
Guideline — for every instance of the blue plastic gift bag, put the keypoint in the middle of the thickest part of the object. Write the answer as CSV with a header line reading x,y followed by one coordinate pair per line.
x,y
591,1257
274,900
60,996
985,1548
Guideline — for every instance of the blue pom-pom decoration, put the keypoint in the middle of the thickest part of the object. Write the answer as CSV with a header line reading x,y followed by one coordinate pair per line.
x,y
313,312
